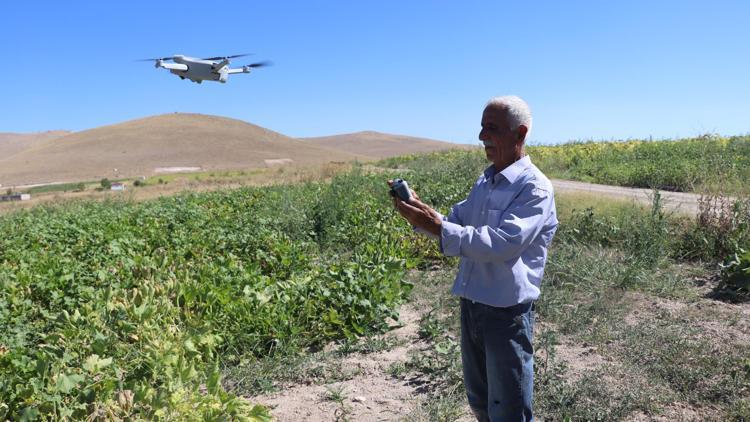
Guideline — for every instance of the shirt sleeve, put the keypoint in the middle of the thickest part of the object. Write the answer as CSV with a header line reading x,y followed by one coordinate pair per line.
x,y
453,216
505,236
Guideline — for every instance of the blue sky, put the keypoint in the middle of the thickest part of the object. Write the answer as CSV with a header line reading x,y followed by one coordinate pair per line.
x,y
589,70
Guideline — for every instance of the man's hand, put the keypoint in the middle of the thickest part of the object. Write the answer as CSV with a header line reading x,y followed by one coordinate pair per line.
x,y
417,213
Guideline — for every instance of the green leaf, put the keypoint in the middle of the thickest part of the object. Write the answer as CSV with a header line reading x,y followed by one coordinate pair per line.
x,y
263,297
190,346
213,382
67,382
93,363
29,414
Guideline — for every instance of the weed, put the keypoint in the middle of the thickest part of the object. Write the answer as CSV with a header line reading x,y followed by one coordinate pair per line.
x,y
337,395
699,370
368,344
397,369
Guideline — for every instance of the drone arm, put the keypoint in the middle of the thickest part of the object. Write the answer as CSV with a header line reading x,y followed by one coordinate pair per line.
x,y
173,66
243,69
218,66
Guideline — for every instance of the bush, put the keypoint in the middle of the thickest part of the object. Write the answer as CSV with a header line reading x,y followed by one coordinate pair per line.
x,y
106,184
721,229
735,275
645,236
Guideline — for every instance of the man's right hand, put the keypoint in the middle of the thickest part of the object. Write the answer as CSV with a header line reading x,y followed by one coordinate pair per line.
x,y
417,213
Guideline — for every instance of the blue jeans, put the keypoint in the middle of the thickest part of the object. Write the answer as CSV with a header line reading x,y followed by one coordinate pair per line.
x,y
498,360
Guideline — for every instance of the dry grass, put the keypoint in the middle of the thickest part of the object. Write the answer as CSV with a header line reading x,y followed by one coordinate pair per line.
x,y
138,147
167,185
570,202
13,143
382,145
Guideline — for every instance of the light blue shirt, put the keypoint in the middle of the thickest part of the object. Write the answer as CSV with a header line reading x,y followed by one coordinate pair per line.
x,y
502,232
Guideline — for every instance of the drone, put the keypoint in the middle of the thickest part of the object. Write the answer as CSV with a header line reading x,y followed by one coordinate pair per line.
x,y
199,70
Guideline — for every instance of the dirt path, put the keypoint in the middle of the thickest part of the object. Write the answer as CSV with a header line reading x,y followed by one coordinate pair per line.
x,y
371,395
686,203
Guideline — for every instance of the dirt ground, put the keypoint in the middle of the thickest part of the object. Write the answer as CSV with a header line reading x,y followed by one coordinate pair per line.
x,y
375,395
372,395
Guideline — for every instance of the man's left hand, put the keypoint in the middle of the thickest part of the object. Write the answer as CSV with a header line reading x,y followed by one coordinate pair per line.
x,y
419,214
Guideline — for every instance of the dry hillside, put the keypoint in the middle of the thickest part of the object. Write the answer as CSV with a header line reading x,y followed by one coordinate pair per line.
x,y
381,145
13,143
138,147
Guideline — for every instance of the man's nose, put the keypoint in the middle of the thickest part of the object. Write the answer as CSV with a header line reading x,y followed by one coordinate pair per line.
x,y
482,135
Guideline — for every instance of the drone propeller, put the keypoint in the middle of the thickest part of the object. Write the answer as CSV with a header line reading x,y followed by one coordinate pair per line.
x,y
260,64
228,57
155,60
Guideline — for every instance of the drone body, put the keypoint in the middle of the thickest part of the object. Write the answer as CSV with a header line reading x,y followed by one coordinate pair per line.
x,y
199,70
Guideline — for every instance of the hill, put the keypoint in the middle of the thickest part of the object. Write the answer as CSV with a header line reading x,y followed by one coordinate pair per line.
x,y
140,147
381,145
13,143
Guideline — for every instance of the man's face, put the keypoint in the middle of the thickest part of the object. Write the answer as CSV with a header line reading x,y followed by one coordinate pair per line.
x,y
500,143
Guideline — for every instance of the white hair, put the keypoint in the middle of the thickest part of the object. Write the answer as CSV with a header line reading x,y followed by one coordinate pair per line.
x,y
517,110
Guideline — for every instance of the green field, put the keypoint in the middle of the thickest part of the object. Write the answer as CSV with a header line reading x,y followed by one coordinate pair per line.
x,y
704,164
124,310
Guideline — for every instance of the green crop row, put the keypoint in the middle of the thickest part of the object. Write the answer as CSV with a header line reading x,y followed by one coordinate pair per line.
x,y
127,310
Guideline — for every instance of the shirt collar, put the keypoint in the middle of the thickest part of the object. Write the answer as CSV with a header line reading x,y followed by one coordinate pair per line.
x,y
511,172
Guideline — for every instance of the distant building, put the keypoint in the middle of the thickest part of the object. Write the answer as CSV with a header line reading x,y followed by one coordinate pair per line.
x,y
118,186
15,197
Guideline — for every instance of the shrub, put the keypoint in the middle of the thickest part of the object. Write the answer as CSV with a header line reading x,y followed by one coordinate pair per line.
x,y
720,230
735,275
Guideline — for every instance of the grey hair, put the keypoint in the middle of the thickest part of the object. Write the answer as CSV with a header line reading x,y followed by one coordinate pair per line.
x,y
517,110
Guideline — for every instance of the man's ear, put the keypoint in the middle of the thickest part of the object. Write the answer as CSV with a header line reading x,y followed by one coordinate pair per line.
x,y
522,131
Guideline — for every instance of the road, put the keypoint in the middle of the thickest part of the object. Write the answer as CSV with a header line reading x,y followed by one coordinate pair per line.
x,y
685,203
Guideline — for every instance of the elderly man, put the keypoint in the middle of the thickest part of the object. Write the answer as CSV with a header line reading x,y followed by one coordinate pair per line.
x,y
501,231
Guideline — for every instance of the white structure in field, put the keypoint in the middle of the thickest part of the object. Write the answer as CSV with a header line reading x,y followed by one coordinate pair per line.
x,y
15,197
278,162
118,186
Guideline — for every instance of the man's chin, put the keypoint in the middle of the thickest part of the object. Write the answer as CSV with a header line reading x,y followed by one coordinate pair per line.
x,y
490,152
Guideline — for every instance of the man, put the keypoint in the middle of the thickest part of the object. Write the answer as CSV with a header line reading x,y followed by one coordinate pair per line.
x,y
501,231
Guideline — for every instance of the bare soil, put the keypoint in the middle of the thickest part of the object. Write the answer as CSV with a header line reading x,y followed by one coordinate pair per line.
x,y
372,395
